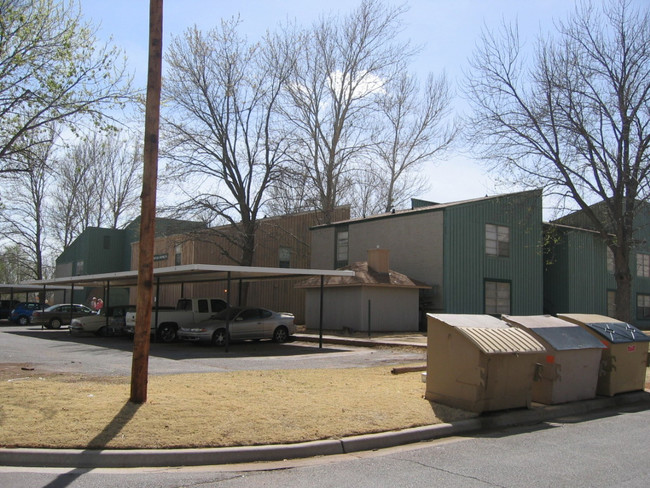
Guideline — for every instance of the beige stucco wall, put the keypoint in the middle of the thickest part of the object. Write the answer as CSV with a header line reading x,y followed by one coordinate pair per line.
x,y
322,248
415,242
391,309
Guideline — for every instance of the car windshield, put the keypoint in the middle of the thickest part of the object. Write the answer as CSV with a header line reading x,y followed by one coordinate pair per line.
x,y
53,307
227,314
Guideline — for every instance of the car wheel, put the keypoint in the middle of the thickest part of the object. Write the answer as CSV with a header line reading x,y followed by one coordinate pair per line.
x,y
105,332
55,324
219,337
167,333
23,320
281,334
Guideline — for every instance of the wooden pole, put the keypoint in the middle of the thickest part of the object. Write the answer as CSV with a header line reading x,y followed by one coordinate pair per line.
x,y
140,364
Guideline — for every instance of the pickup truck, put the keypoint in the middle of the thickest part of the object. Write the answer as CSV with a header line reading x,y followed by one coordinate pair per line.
x,y
188,311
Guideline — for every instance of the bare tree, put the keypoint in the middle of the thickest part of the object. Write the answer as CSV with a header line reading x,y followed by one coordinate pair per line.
x,y
22,221
51,71
96,184
341,67
577,121
221,128
414,131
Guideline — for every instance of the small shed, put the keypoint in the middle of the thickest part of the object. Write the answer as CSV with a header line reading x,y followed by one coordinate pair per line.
x,y
624,361
375,299
479,363
570,370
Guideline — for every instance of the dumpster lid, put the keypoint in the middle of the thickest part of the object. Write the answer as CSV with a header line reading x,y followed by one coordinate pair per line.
x,y
560,334
613,330
506,340
469,320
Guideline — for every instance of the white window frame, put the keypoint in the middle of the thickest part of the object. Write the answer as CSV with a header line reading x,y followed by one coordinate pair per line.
x,y
497,240
643,265
497,297
642,306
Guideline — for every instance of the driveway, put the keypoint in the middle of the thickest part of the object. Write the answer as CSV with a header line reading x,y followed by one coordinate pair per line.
x,y
57,351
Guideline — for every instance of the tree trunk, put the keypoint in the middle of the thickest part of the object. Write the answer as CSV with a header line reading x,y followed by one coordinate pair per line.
x,y
623,278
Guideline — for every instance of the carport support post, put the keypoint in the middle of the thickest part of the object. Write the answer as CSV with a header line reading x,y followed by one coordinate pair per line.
x,y
141,342
369,318
228,314
320,321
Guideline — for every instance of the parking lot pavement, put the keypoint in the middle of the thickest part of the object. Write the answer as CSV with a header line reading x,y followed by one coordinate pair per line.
x,y
58,351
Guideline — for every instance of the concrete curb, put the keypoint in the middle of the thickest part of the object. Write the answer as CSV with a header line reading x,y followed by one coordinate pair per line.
x,y
359,341
78,458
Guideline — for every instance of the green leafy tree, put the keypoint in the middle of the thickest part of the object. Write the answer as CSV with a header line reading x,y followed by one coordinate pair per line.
x,y
51,70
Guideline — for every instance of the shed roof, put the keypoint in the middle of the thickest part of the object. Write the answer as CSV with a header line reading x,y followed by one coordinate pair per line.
x,y
364,276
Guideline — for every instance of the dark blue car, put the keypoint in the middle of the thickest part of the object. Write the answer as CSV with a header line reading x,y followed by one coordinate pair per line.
x,y
22,313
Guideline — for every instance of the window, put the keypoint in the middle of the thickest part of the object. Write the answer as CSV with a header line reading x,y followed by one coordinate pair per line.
x,y
497,240
178,256
203,306
342,246
497,297
284,257
107,242
643,307
611,303
643,265
610,261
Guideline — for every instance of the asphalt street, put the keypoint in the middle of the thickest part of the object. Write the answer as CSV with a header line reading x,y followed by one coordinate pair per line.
x,y
57,350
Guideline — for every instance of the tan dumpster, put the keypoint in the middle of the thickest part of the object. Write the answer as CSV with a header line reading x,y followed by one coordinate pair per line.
x,y
570,369
479,363
624,361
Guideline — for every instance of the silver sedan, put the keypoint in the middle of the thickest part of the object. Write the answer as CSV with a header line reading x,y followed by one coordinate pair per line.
x,y
243,323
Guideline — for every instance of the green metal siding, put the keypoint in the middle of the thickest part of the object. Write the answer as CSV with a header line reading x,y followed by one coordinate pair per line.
x,y
467,267
576,279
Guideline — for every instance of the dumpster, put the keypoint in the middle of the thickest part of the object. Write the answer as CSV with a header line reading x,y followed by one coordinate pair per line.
x,y
624,361
479,363
569,371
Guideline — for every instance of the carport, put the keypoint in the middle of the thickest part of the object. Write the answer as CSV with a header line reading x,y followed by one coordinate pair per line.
x,y
193,273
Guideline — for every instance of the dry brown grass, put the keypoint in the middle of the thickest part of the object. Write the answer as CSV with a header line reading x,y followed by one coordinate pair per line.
x,y
211,410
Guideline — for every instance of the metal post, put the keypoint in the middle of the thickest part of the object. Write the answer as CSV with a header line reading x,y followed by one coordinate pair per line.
x,y
369,319
107,303
155,318
320,322
228,314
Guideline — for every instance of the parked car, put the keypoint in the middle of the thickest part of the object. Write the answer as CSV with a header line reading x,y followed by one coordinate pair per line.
x,y
97,324
188,311
56,315
6,306
22,313
244,323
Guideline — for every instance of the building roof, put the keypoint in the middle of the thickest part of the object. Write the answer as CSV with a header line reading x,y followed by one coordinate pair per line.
x,y
430,208
363,276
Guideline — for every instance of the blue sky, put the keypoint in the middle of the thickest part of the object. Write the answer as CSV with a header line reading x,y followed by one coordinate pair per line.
x,y
447,29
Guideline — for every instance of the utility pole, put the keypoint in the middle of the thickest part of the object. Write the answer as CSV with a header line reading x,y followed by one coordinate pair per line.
x,y
140,364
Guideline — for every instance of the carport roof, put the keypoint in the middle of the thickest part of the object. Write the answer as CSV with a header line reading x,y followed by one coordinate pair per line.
x,y
189,273
22,288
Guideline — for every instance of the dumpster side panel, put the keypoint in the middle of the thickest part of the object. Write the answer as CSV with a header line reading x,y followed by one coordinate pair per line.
x,y
455,373
623,368
576,376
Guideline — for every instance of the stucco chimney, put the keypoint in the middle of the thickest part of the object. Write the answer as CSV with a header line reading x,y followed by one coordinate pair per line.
x,y
378,260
